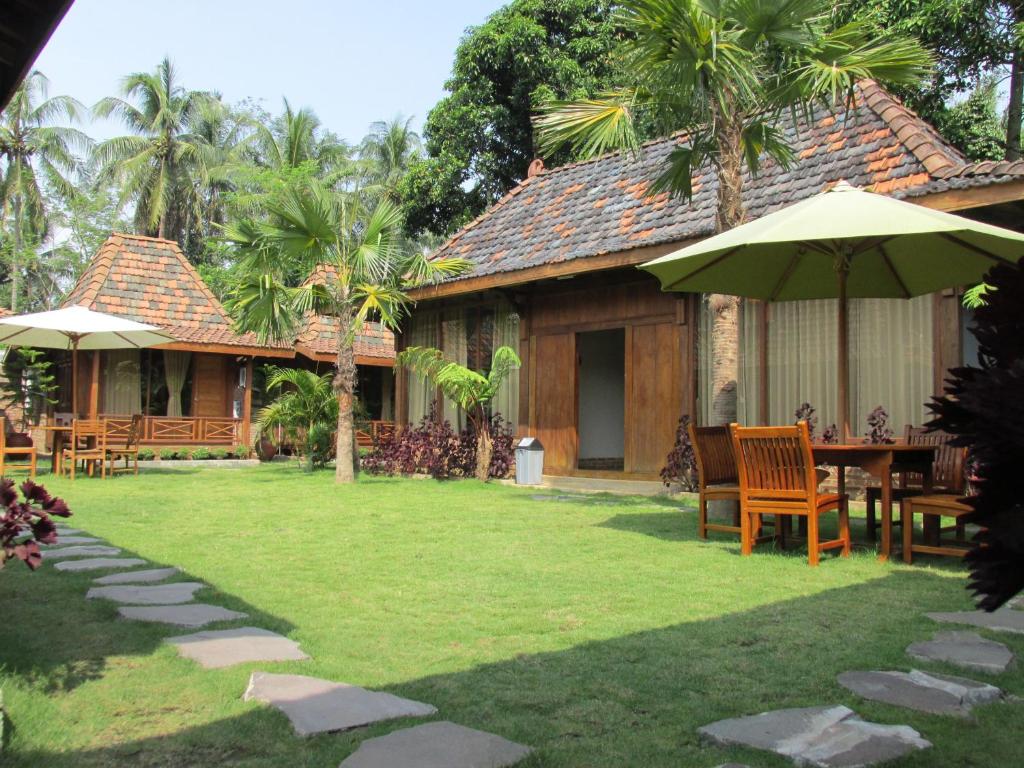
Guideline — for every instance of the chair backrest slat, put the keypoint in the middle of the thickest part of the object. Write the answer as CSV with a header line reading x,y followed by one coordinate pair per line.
x,y
716,458
775,463
89,428
948,468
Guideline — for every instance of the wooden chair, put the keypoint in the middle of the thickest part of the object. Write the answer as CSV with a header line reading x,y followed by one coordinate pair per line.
x,y
717,476
12,450
947,474
935,506
123,443
777,477
88,444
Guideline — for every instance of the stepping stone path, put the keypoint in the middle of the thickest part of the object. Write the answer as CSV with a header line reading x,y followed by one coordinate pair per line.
x,y
965,649
137,577
825,737
62,540
100,563
62,531
214,649
935,694
436,745
189,615
1003,620
161,594
322,706
87,551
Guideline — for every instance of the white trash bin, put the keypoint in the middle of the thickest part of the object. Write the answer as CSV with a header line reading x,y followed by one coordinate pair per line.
x,y
529,462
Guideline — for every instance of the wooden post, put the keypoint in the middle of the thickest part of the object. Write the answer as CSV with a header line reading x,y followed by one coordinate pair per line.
x,y
247,404
94,386
74,379
843,367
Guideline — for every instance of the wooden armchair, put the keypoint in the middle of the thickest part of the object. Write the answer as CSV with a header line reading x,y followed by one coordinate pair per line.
x,y
935,507
88,444
6,450
777,477
948,475
123,443
717,476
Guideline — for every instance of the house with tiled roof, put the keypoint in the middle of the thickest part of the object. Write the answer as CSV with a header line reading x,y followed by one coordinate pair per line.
x,y
610,363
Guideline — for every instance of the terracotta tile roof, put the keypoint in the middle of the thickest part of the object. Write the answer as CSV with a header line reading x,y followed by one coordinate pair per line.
x,y
319,335
601,206
150,280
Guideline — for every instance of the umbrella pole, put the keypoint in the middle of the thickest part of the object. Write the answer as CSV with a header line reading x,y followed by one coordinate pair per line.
x,y
74,378
843,271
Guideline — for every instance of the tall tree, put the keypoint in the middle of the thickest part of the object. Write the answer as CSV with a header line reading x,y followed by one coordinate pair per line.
x,y
387,152
158,163
726,72
309,226
33,149
972,40
479,140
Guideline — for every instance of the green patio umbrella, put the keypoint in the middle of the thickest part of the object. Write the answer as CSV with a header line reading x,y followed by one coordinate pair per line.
x,y
844,243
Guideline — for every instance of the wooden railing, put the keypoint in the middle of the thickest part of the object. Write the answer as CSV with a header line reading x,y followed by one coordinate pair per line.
x,y
180,430
369,432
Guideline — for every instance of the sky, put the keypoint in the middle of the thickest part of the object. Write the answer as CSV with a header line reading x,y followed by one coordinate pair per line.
x,y
353,62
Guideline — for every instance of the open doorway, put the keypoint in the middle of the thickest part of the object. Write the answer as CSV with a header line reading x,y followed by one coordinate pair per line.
x,y
601,357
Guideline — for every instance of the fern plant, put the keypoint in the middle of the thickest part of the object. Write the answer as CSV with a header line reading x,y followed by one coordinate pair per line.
x,y
470,390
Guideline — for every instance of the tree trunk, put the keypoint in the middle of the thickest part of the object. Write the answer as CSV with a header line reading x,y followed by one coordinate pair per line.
x,y
484,449
345,387
724,308
19,243
1015,108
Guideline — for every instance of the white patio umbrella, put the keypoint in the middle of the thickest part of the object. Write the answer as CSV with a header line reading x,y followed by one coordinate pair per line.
x,y
76,328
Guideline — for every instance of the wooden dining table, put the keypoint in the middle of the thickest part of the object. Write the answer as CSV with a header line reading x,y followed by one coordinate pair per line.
x,y
880,460
60,433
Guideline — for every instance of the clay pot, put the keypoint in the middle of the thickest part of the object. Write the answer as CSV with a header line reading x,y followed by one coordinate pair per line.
x,y
266,449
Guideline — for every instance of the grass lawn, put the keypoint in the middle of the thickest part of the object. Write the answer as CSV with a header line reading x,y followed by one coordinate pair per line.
x,y
602,632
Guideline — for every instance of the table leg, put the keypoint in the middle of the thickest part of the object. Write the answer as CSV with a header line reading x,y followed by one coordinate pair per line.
x,y
886,479
58,447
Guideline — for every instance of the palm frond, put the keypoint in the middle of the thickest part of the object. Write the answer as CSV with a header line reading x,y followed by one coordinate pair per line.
x,y
591,127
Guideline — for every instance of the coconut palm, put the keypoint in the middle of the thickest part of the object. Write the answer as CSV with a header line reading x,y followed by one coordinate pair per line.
x,y
471,390
387,150
158,164
32,150
297,138
311,226
727,72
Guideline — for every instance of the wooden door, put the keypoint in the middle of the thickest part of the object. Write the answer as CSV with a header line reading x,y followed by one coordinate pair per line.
x,y
553,399
654,394
210,385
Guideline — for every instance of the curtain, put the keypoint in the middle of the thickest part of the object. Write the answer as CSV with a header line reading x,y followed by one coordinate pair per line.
x,y
387,396
422,333
122,382
175,371
891,361
506,334
455,348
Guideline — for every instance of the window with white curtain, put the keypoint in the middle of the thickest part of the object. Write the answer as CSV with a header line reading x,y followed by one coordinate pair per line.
x,y
891,361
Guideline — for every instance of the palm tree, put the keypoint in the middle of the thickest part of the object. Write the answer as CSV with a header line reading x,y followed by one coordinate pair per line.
x,y
726,73
158,163
296,138
388,149
310,225
468,389
305,406
32,147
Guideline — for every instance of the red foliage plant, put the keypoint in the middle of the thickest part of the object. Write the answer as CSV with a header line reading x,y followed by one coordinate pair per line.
x,y
27,523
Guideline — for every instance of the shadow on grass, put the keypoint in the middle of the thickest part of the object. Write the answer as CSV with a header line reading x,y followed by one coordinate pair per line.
x,y
637,699
55,639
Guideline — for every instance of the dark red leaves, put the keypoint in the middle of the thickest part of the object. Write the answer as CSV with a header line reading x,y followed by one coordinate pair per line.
x,y
24,525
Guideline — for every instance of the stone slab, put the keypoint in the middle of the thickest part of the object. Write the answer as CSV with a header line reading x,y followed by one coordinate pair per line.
x,y
964,649
823,737
935,694
86,551
223,648
63,531
99,564
322,706
160,594
1003,620
137,577
436,745
189,615
62,540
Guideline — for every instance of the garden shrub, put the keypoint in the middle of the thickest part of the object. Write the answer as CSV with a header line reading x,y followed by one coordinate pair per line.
x,y
201,454
241,451
27,523
219,453
681,462
146,454
166,454
320,445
